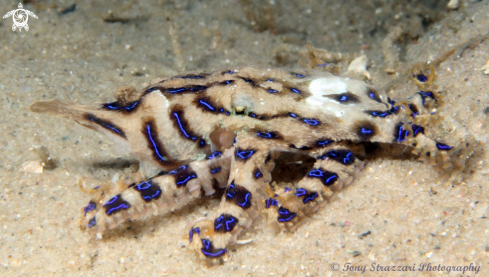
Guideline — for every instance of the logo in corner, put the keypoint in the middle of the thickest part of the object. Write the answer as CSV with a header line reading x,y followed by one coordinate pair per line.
x,y
20,17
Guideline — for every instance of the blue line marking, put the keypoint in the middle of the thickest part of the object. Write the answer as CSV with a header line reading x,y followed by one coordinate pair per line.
x,y
148,128
182,183
311,121
247,196
181,127
207,105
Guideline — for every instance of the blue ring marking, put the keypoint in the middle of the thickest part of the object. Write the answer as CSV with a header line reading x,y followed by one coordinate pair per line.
x,y
425,94
285,215
328,181
246,200
230,223
267,203
323,142
413,109
92,222
123,205
394,109
148,191
343,156
286,189
324,64
344,98
374,96
401,133
209,251
215,170
230,195
295,90
328,178
267,135
226,221
219,222
252,115
300,192
180,169
216,154
227,82
443,147
379,113
184,182
191,234
293,115
258,174
207,105
207,243
155,148
270,80
349,159
202,143
392,102
310,197
237,193
365,130
299,75
272,90
422,78
417,129
311,121
271,201
150,90
244,154
315,173
230,72
90,207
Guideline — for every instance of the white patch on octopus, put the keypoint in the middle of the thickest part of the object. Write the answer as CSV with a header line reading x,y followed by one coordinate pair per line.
x,y
326,86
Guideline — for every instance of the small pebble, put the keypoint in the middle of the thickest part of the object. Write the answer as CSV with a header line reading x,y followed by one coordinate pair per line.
x,y
354,253
365,234
453,4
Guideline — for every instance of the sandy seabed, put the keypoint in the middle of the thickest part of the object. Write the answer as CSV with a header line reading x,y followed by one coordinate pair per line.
x,y
412,213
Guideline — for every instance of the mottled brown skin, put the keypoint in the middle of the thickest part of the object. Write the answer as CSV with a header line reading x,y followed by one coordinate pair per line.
x,y
197,132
